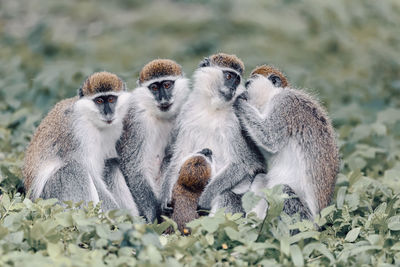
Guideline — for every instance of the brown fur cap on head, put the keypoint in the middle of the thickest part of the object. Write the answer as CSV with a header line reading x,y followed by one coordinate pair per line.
x,y
100,82
267,70
224,60
159,68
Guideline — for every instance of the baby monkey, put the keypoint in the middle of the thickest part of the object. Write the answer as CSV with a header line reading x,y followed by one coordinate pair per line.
x,y
193,177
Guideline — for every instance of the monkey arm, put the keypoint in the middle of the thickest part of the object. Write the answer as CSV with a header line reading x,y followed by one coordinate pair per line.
x,y
130,148
141,191
223,181
168,171
169,151
270,133
144,197
168,182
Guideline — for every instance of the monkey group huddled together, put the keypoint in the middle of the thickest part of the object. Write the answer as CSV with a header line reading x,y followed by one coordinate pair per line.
x,y
173,147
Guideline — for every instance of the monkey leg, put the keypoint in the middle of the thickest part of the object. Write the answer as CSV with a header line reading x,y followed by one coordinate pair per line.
x,y
291,206
231,202
294,205
259,183
116,185
72,182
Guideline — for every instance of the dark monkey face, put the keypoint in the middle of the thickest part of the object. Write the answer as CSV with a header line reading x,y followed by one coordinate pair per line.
x,y
106,105
163,93
231,82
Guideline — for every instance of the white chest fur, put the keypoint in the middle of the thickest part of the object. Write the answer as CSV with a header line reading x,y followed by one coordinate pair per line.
x,y
156,139
213,129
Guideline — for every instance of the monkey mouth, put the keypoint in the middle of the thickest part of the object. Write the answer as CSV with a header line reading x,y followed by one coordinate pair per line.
x,y
109,121
227,96
165,106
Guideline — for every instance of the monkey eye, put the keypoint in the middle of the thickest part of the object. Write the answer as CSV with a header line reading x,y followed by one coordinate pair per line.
x,y
228,76
111,99
99,100
153,87
167,84
276,80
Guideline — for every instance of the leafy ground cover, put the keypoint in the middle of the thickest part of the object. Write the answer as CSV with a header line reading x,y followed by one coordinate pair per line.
x,y
346,52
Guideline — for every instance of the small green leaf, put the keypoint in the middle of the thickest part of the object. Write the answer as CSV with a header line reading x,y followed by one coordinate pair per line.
x,y
210,239
352,234
211,224
321,248
249,201
232,234
396,246
285,246
296,255
341,194
3,232
394,223
103,231
54,250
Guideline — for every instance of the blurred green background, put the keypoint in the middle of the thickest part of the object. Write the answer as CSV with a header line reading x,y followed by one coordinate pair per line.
x,y
345,52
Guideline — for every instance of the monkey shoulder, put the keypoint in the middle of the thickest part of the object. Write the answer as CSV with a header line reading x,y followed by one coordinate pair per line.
x,y
52,138
299,109
56,129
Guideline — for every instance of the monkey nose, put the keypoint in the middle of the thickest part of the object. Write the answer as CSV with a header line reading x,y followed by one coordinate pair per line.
x,y
206,152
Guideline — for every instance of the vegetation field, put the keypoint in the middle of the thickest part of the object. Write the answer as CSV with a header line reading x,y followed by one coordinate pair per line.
x,y
347,53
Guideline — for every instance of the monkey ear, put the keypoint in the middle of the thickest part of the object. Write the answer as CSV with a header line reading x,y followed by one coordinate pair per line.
x,y
124,88
80,92
205,62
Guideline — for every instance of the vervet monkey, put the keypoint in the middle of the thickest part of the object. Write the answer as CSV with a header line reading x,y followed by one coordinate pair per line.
x,y
296,133
155,104
66,157
207,119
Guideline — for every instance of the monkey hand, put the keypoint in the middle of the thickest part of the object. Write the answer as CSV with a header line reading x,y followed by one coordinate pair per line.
x,y
204,203
201,211
167,210
240,99
244,96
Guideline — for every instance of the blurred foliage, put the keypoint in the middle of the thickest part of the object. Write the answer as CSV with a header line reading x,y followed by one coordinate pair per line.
x,y
347,52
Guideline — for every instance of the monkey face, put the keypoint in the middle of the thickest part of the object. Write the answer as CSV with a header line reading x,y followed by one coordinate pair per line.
x,y
260,90
163,93
103,109
102,99
106,106
162,96
231,82
222,83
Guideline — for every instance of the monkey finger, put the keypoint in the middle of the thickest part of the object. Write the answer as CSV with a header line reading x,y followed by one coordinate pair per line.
x,y
202,211
167,210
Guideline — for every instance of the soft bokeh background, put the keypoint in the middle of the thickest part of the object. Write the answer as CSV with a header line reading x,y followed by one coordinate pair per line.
x,y
345,52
